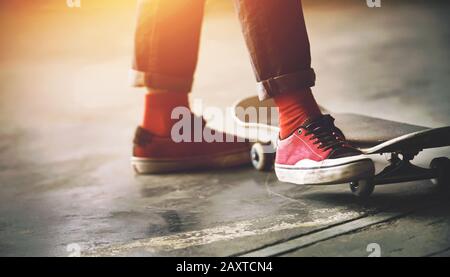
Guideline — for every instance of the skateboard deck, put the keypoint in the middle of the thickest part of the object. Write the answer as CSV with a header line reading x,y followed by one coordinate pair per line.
x,y
369,134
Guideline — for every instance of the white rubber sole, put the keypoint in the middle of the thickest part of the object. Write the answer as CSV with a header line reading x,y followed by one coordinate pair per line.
x,y
335,173
155,166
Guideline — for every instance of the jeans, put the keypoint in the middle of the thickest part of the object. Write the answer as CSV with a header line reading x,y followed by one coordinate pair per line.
x,y
168,34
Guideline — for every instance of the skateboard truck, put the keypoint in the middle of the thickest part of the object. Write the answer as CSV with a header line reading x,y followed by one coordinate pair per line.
x,y
400,169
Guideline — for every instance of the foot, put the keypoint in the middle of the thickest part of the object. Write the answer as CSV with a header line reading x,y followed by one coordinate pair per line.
x,y
160,154
317,153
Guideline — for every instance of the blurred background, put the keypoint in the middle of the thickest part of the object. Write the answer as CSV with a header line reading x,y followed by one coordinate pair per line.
x,y
67,112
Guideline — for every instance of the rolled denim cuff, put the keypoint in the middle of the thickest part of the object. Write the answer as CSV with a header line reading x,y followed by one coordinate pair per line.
x,y
160,81
287,82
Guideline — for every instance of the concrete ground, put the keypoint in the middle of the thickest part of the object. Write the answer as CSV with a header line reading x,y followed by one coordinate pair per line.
x,y
67,116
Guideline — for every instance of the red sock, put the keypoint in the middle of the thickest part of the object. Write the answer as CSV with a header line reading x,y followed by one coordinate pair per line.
x,y
158,110
294,109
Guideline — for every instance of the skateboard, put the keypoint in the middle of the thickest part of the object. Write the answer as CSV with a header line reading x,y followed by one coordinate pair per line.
x,y
259,121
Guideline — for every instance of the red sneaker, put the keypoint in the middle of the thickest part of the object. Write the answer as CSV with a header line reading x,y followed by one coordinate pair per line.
x,y
317,153
154,154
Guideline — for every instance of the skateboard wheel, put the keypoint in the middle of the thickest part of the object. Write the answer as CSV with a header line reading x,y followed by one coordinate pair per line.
x,y
362,188
261,160
441,168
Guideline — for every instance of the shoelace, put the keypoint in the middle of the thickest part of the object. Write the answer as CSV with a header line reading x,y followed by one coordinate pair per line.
x,y
324,133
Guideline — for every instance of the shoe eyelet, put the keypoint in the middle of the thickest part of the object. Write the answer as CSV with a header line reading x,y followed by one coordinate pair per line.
x,y
299,131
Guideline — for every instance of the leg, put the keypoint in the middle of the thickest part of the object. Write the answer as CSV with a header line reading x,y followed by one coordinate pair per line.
x,y
311,150
278,43
166,50
166,43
